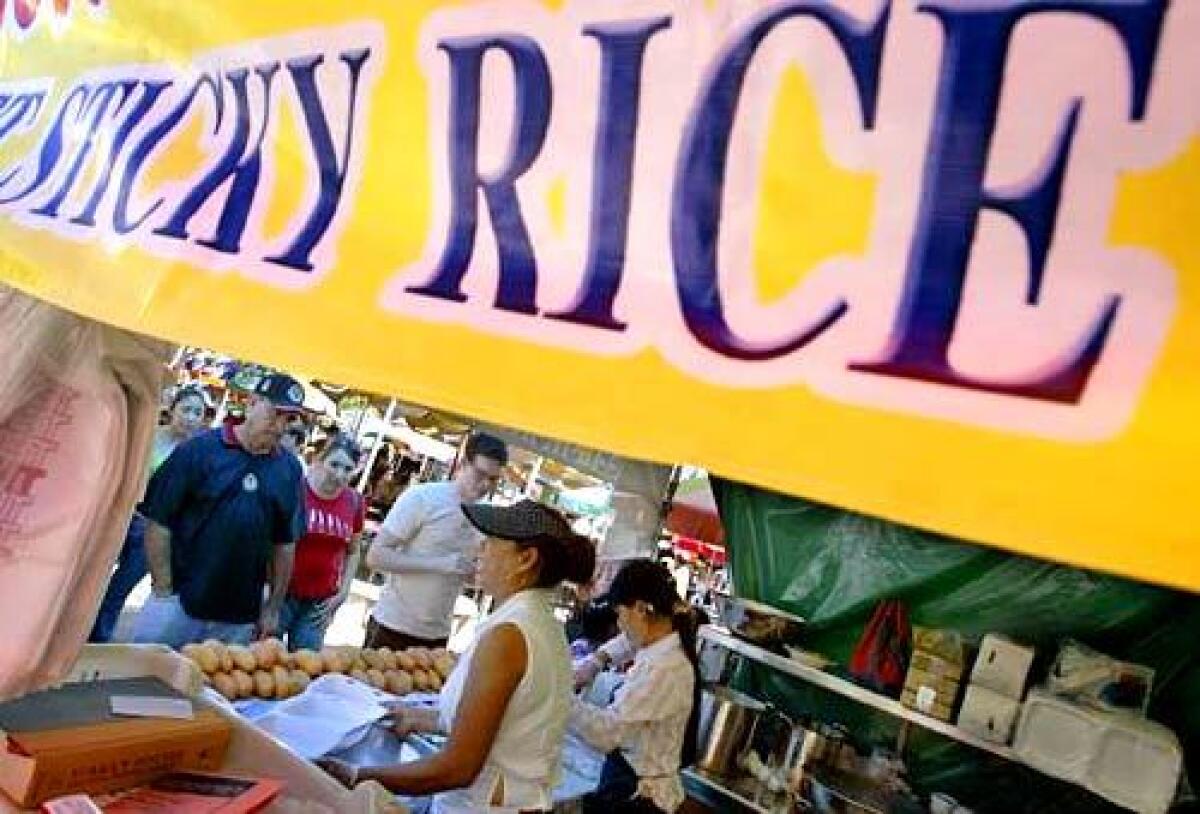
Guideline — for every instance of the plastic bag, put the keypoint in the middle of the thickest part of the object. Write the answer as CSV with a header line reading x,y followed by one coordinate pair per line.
x,y
880,660
78,407
1090,677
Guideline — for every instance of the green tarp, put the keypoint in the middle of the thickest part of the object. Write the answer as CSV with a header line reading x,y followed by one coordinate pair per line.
x,y
832,566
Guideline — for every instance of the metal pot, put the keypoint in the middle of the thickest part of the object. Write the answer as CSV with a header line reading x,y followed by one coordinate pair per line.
x,y
806,749
727,720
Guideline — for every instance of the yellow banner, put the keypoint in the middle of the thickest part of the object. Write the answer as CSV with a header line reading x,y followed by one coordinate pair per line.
x,y
932,261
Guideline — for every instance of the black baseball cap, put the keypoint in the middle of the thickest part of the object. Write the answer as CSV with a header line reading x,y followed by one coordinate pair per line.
x,y
521,521
281,390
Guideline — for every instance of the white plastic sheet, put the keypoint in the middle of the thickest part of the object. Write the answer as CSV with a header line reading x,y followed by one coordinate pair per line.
x,y
320,719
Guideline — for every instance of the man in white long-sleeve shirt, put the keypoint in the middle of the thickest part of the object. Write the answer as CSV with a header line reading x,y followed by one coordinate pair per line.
x,y
428,549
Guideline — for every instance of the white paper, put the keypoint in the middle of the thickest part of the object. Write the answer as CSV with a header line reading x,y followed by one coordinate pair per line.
x,y
143,706
926,696
319,719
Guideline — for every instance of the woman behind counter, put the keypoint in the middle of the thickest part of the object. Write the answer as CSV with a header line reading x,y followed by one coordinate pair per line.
x,y
506,703
649,730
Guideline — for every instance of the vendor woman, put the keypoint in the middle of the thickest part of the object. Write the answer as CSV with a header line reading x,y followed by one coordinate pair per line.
x,y
649,729
505,705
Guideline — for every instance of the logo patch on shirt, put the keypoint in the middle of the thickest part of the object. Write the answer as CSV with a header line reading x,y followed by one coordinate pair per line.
x,y
250,482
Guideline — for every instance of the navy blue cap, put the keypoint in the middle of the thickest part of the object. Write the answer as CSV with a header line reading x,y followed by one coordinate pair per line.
x,y
282,390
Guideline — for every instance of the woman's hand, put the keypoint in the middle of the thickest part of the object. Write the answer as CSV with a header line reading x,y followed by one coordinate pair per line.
x,y
340,770
585,671
407,720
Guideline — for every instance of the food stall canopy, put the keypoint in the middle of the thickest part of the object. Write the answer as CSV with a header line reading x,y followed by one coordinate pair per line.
x,y
418,442
934,262
832,567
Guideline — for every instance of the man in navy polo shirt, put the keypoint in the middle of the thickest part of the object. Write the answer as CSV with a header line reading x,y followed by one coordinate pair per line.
x,y
224,511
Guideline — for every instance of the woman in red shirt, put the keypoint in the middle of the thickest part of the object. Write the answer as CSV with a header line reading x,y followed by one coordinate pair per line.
x,y
320,578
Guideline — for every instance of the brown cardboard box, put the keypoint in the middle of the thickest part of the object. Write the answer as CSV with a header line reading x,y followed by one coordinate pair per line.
x,y
935,665
941,684
932,685
936,706
107,756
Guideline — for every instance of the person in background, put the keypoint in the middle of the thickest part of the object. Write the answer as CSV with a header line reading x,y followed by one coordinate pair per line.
x,y
185,417
295,436
649,731
681,571
428,549
226,506
595,624
505,705
327,554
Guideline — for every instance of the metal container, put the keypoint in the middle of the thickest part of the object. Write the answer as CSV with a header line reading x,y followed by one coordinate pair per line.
x,y
806,749
727,720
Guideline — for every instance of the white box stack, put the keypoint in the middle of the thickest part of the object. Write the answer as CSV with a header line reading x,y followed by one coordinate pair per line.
x,y
988,714
1002,666
1133,762
993,699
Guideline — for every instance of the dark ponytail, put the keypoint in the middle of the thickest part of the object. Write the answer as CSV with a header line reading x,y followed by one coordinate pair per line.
x,y
685,620
565,558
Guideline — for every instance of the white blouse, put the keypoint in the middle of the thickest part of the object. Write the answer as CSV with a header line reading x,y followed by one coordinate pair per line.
x,y
647,719
525,759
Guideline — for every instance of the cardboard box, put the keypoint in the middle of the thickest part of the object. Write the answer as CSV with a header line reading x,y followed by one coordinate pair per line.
x,y
941,684
95,758
929,702
68,740
988,715
935,665
1002,666
251,752
932,685
945,645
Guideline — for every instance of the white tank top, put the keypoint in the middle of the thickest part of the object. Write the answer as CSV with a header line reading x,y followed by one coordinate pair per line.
x,y
526,755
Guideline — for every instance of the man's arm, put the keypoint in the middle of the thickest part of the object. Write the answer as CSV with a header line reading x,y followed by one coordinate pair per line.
x,y
281,577
158,555
167,495
389,554
389,550
291,524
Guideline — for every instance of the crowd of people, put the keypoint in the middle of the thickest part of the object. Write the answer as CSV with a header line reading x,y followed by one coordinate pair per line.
x,y
241,540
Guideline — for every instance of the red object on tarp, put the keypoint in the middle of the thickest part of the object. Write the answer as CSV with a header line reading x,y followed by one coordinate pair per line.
x,y
690,521
880,660
690,545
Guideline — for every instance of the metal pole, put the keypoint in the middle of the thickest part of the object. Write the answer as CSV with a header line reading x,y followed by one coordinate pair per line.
x,y
362,414
534,471
222,408
365,478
